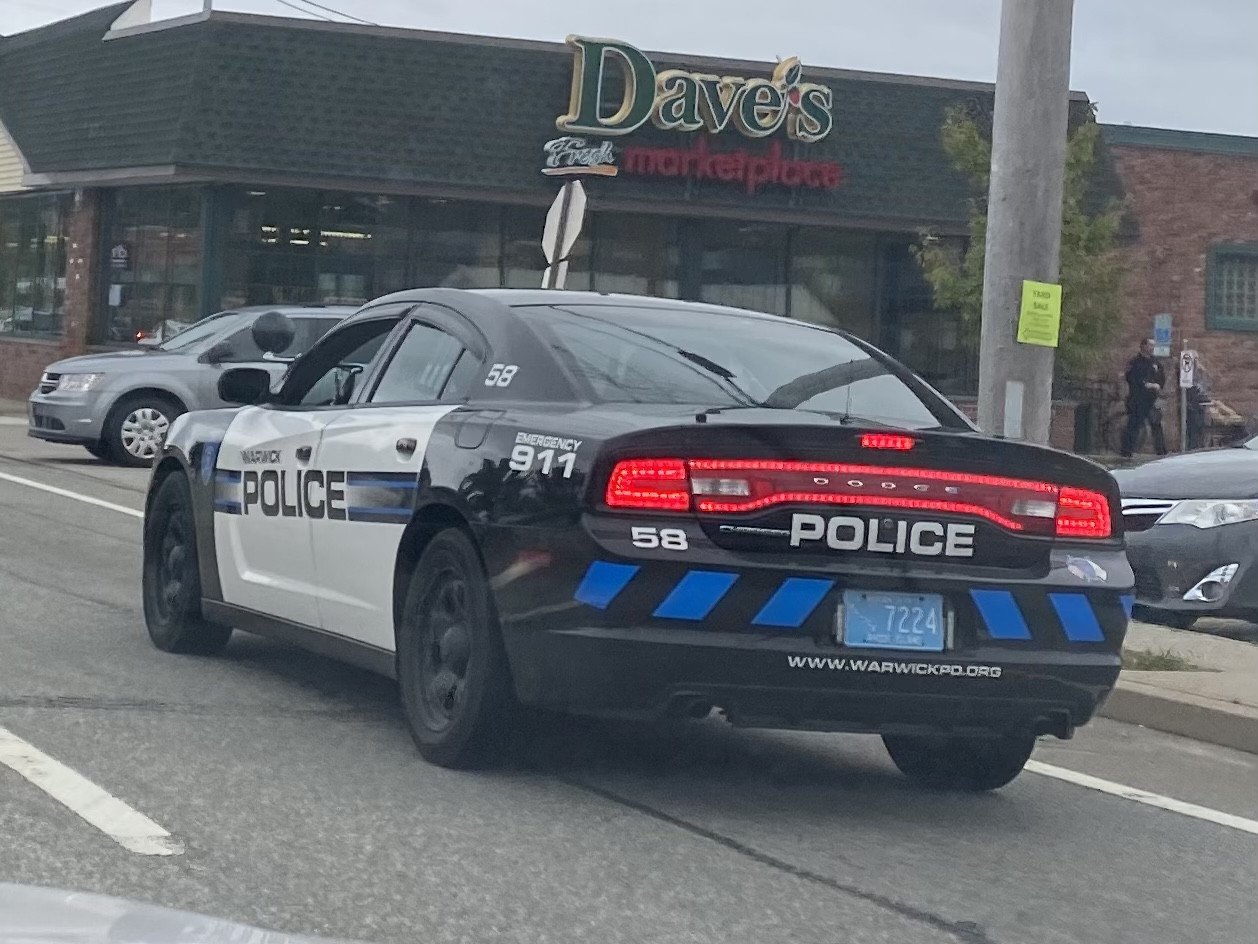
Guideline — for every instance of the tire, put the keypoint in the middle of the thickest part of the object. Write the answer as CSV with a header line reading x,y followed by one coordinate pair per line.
x,y
172,581
452,668
136,426
98,450
966,764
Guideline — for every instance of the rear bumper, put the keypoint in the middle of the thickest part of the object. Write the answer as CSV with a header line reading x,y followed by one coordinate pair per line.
x,y
57,419
1169,560
650,673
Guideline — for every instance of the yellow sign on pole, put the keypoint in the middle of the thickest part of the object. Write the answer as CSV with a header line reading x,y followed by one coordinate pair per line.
x,y
1040,319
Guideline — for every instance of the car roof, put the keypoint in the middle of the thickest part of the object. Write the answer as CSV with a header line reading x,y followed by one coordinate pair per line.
x,y
531,297
329,311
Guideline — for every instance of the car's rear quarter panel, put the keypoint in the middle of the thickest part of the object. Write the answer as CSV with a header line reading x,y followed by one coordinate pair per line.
x,y
593,622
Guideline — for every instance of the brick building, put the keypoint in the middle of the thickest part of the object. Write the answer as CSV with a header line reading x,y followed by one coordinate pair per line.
x,y
1194,202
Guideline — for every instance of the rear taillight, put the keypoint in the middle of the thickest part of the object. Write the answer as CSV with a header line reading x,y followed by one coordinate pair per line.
x,y
1083,514
649,485
738,486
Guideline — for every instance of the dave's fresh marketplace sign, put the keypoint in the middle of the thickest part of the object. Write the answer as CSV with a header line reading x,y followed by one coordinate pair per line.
x,y
682,101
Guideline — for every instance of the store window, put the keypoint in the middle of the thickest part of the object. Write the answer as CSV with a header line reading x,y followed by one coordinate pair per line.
x,y
524,262
744,265
33,265
635,255
456,245
832,281
1232,287
288,247
934,343
153,264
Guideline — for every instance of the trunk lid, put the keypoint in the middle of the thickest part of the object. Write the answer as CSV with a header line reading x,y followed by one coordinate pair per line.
x,y
849,491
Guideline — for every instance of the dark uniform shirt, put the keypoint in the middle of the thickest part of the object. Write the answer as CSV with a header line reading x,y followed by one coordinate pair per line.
x,y
1140,371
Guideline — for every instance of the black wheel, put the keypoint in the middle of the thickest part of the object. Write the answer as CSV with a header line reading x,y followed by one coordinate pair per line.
x,y
452,668
136,428
961,763
172,582
97,450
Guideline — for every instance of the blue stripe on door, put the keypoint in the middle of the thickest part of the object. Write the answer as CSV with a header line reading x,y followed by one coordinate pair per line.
x,y
1128,602
1078,619
603,582
1001,613
793,602
696,595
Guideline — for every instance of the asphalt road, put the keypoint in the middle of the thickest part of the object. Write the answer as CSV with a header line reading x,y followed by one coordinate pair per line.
x,y
302,806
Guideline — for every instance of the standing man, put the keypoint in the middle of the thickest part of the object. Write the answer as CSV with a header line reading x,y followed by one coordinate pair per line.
x,y
1145,382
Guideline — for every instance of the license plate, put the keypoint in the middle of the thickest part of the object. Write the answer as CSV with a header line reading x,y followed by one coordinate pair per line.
x,y
908,621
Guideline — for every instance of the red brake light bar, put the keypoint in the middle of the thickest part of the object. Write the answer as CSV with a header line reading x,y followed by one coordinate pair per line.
x,y
887,441
736,486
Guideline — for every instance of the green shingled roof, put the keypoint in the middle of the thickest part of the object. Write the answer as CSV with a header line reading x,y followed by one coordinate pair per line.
x,y
256,95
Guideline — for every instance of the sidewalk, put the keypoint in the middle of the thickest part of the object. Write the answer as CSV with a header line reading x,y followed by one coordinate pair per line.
x,y
1218,704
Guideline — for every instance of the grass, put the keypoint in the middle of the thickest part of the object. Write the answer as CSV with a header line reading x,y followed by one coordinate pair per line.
x,y
1145,660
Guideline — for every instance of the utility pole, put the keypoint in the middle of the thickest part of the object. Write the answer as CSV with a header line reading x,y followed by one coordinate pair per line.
x,y
208,6
1029,140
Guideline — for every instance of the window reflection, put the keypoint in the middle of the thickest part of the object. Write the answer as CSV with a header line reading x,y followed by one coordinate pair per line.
x,y
320,247
635,254
524,263
154,262
744,265
456,245
832,279
33,265
933,343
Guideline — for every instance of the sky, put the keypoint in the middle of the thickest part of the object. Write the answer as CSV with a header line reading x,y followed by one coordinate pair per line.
x,y
1164,63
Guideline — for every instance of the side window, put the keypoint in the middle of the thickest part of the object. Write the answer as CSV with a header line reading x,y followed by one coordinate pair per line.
x,y
306,331
337,385
420,366
243,348
329,372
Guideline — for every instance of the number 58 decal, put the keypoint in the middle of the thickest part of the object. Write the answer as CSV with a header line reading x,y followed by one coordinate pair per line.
x,y
501,375
670,539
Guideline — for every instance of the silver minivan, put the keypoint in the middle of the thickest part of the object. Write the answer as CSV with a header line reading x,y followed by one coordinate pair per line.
x,y
119,404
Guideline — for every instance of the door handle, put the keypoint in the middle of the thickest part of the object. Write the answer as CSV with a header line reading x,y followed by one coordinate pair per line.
x,y
303,453
406,447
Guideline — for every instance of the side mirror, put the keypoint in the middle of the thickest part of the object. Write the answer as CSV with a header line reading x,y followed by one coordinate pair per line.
x,y
245,385
273,333
219,352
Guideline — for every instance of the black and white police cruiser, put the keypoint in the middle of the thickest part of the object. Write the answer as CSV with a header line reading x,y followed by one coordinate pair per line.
x,y
642,508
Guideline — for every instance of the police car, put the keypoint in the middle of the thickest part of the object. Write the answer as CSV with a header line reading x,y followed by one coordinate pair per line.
x,y
642,508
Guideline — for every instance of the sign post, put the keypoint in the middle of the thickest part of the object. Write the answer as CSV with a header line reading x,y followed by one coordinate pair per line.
x,y
1187,379
563,226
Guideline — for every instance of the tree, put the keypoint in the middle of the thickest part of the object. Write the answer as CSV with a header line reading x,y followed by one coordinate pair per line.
x,y
1091,271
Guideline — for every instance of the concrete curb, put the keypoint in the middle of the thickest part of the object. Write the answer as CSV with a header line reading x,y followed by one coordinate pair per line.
x,y
1202,719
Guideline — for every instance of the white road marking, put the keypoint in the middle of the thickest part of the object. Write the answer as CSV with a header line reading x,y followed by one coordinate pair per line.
x,y
1144,796
12,421
65,493
130,829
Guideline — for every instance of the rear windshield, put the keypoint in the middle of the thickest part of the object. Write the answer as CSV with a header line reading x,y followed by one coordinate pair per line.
x,y
710,359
